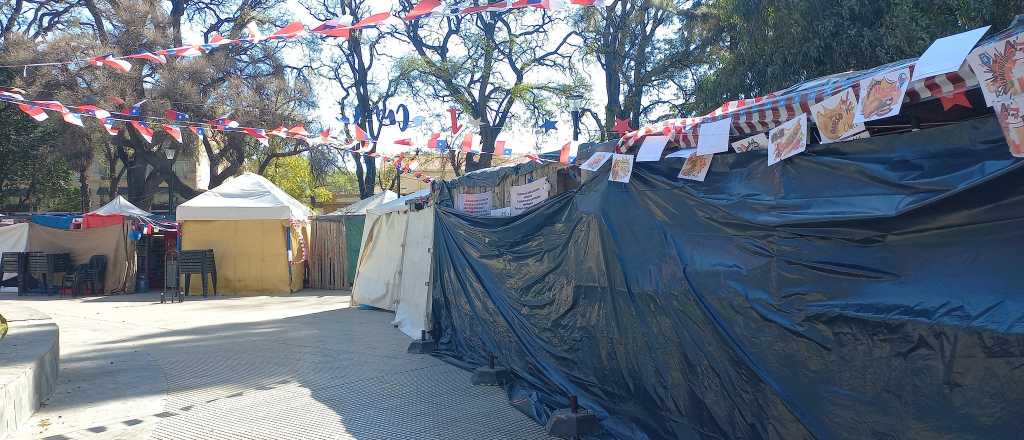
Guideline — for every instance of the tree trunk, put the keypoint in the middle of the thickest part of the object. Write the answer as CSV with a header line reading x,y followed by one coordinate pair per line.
x,y
83,185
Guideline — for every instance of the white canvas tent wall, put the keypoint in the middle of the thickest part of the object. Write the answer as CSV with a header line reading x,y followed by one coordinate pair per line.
x,y
395,263
13,238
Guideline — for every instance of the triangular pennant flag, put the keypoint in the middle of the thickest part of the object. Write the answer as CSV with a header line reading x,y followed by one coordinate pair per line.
x,y
73,119
175,116
280,132
407,142
113,63
325,135
563,156
422,9
34,112
298,131
149,56
108,124
144,130
94,111
432,142
360,134
174,131
199,131
292,30
259,134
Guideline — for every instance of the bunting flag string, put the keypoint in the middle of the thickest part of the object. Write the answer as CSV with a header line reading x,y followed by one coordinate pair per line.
x,y
334,28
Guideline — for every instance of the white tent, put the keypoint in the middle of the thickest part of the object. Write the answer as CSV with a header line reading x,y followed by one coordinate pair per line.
x,y
360,207
120,206
246,197
13,238
395,263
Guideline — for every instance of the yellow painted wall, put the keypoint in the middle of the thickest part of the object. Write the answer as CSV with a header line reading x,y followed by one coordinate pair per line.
x,y
251,255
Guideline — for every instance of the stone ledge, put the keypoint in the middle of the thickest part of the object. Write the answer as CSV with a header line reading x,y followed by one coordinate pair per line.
x,y
29,360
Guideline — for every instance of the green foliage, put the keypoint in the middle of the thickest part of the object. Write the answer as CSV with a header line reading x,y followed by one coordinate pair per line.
x,y
293,175
32,174
757,47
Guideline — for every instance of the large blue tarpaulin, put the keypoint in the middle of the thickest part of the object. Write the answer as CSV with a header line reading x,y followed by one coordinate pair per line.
x,y
862,290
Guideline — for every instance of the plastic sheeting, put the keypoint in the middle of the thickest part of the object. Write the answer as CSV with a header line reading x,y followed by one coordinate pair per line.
x,y
866,289
246,197
412,310
360,207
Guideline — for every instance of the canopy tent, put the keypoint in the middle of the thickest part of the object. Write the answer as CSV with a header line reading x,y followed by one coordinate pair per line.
x,y
120,206
395,263
257,232
82,244
246,197
334,243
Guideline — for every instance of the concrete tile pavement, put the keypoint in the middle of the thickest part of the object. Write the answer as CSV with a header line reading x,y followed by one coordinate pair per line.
x,y
303,367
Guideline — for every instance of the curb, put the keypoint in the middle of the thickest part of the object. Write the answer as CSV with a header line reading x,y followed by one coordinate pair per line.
x,y
29,360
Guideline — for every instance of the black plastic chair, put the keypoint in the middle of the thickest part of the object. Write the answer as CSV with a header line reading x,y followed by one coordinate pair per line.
x,y
199,262
93,273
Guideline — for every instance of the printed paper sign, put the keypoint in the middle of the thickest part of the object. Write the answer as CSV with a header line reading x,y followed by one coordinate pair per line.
x,y
622,168
696,167
1008,112
502,212
713,137
835,116
527,196
475,204
881,96
1000,69
756,142
947,54
651,149
596,161
787,139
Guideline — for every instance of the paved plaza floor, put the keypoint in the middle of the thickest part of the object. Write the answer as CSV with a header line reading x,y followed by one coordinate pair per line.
x,y
296,367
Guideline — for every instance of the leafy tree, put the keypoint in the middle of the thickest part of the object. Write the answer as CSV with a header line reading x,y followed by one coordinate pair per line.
x,y
645,51
32,176
759,46
486,64
293,175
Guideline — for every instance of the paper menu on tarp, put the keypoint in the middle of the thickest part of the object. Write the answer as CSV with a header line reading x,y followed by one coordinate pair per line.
x,y
475,204
947,54
999,68
756,142
651,149
835,118
596,160
696,167
713,137
524,197
787,139
622,168
881,96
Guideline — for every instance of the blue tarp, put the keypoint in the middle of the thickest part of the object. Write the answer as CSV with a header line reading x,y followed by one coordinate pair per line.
x,y
53,220
862,290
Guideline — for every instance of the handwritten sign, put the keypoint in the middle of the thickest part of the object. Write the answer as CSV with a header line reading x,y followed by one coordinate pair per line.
x,y
475,204
527,196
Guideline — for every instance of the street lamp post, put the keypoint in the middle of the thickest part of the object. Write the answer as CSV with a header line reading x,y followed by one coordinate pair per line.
x,y
576,103
170,152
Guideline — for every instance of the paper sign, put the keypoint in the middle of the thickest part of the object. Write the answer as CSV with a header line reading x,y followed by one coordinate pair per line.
x,y
696,167
622,168
651,150
596,161
683,153
881,96
1008,112
947,54
475,204
835,116
756,142
502,212
1000,68
527,196
787,139
713,137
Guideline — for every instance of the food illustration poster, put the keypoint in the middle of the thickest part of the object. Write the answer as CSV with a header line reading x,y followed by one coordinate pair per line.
x,y
787,139
1008,112
756,142
622,168
881,96
696,167
1000,69
835,116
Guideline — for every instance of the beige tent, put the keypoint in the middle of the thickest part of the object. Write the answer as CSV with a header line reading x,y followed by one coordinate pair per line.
x,y
257,231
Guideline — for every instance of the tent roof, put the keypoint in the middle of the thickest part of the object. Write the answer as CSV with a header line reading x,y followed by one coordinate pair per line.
x,y
399,203
120,206
360,207
246,197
